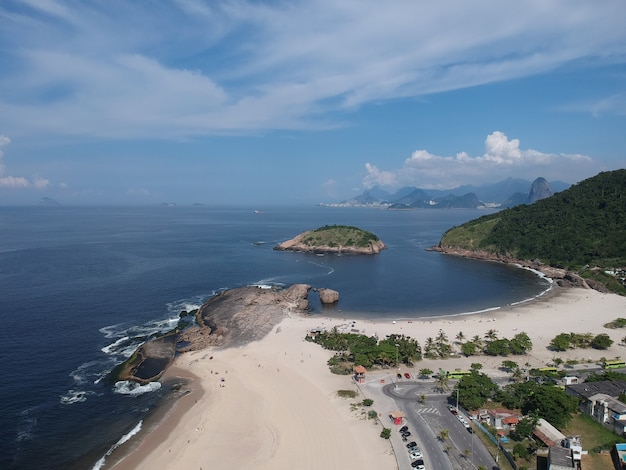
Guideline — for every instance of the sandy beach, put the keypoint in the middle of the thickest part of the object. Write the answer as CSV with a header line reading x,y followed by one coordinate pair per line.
x,y
272,404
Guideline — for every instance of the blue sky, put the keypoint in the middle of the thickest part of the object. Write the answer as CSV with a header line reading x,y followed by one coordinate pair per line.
x,y
253,102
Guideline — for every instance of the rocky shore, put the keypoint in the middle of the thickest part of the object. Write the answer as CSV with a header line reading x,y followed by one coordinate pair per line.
x,y
562,277
232,318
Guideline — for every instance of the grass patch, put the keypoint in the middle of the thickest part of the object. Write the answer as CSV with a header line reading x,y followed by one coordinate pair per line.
x,y
346,393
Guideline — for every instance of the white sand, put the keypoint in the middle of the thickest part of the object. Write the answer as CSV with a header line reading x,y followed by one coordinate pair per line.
x,y
277,406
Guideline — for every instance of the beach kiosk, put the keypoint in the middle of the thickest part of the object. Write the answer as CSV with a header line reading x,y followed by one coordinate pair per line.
x,y
359,374
397,417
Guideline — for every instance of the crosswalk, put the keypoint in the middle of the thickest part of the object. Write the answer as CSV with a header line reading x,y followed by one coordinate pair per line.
x,y
427,410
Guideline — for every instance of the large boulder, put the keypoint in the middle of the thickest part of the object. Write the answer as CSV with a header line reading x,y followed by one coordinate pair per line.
x,y
328,296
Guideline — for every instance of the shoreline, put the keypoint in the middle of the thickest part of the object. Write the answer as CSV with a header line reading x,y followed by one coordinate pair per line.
x,y
196,429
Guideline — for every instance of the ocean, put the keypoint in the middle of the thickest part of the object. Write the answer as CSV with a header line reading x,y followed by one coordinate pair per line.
x,y
82,287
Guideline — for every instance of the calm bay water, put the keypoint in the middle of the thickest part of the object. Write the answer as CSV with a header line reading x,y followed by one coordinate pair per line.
x,y
80,288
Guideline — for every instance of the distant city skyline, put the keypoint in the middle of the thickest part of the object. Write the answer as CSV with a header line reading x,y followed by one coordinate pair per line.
x,y
263,103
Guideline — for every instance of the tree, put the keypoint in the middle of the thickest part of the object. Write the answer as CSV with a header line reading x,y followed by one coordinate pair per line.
x,y
560,342
491,335
425,373
443,435
601,341
469,349
552,404
521,343
498,347
525,427
520,451
476,366
441,383
475,389
385,433
460,337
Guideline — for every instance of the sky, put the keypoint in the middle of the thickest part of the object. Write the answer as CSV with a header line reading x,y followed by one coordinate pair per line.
x,y
301,102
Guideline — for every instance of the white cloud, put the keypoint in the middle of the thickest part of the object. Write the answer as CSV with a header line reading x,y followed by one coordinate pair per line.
x,y
198,67
502,158
8,181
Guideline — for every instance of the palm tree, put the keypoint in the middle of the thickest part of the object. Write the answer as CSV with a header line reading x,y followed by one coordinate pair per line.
x,y
443,435
422,398
460,337
478,341
441,384
491,335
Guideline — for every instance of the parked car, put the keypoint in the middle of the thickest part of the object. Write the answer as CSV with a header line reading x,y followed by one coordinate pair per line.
x,y
399,375
418,465
405,433
407,375
404,428
412,445
470,429
416,455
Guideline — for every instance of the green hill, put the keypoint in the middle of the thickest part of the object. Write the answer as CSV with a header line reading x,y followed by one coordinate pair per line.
x,y
581,228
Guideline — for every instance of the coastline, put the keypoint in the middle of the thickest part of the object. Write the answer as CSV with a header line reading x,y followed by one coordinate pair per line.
x,y
278,399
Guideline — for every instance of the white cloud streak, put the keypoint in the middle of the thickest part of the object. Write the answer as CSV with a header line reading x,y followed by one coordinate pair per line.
x,y
12,182
502,158
131,70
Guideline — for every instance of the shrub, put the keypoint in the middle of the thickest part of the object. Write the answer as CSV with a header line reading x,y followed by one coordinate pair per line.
x,y
346,393
372,414
368,402
520,450
385,433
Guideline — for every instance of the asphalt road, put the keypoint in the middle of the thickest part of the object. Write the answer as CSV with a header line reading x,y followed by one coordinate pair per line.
x,y
425,421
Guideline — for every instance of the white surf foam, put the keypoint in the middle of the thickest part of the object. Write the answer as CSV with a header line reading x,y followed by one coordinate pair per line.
x,y
126,387
100,463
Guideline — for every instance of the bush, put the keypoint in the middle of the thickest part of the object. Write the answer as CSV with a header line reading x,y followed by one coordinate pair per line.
x,y
346,393
601,341
385,433
372,414
520,451
368,402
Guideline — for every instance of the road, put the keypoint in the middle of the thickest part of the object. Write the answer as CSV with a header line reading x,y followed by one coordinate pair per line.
x,y
425,421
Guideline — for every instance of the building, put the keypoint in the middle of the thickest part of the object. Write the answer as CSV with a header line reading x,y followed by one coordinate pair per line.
x,y
359,374
501,418
560,458
618,454
599,400
548,434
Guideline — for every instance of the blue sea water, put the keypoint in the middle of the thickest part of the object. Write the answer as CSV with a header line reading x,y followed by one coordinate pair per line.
x,y
80,288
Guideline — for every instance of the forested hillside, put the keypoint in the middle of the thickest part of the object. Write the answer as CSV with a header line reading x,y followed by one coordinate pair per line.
x,y
579,228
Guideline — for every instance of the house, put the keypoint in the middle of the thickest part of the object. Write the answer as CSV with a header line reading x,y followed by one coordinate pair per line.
x,y
618,454
560,458
548,434
501,418
599,400
570,380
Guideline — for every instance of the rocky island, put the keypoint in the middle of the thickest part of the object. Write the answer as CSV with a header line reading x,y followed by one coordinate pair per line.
x,y
335,239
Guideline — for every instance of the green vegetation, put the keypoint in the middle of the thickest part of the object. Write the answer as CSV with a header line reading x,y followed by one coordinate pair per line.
x,y
494,346
565,341
581,229
385,433
617,323
340,235
367,351
541,401
475,389
367,402
346,393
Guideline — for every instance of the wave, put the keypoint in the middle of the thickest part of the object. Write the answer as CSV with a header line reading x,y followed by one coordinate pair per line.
x,y
75,396
126,387
100,463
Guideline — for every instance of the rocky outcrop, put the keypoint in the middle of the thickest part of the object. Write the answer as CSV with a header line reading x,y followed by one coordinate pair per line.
x,y
238,316
540,189
562,277
328,296
149,361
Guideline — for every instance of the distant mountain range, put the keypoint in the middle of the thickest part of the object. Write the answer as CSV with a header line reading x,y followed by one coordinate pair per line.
x,y
508,193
